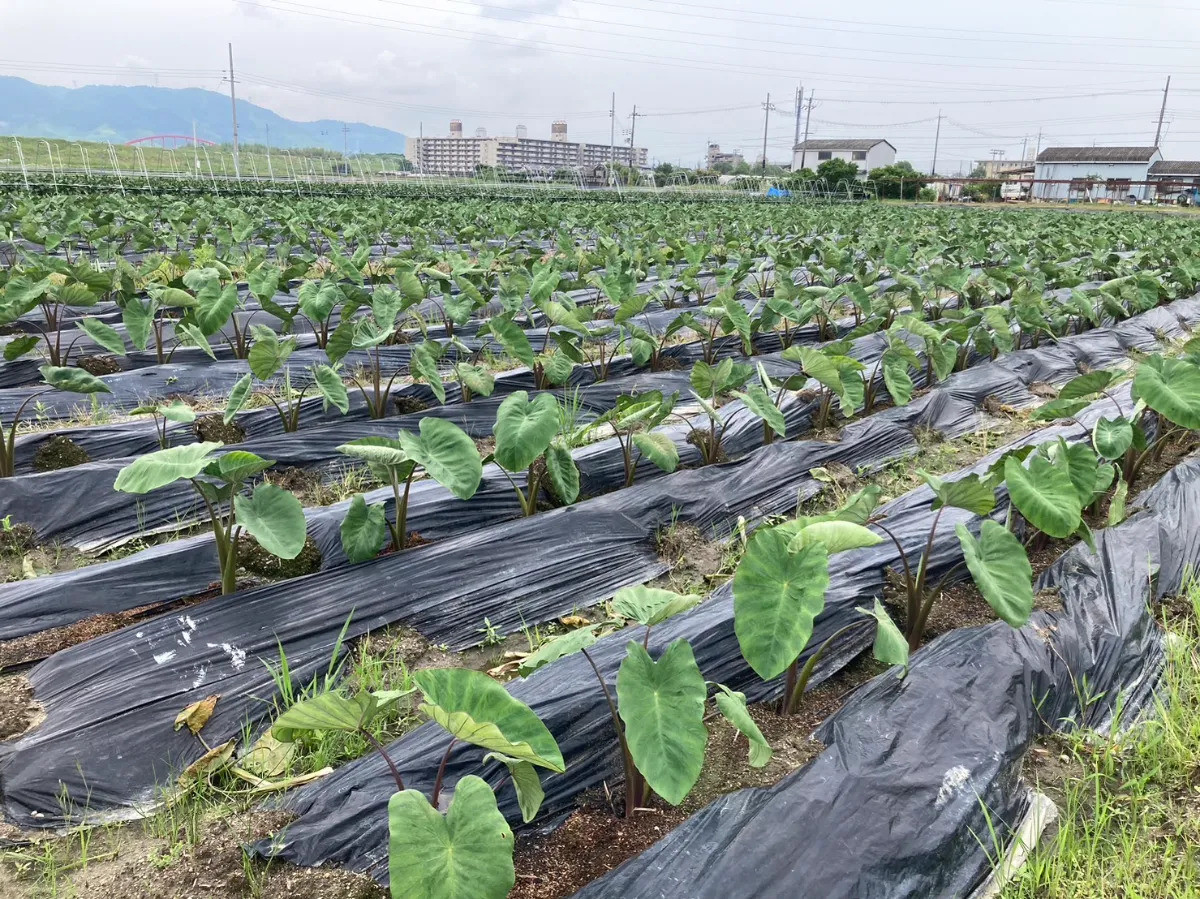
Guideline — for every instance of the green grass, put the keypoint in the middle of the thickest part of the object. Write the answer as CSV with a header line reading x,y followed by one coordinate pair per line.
x,y
1129,803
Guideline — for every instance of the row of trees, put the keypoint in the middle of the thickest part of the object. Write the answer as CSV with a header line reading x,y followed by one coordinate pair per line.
x,y
897,181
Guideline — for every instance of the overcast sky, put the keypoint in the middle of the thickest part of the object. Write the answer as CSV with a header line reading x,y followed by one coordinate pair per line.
x,y
1079,71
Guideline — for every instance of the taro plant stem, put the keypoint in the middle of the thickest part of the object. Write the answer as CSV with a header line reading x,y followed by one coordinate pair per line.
x,y
225,534
634,786
8,441
798,678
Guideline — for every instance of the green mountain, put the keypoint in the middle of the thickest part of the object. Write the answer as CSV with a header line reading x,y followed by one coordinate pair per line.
x,y
119,114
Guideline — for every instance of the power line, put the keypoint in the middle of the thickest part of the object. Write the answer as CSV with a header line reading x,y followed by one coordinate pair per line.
x,y
739,15
487,37
674,31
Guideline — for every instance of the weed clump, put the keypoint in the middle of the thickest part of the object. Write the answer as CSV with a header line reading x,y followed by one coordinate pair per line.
x,y
98,365
405,405
709,446
16,538
58,453
213,428
256,560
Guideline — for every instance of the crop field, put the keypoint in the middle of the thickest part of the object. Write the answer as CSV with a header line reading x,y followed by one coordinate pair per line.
x,y
470,547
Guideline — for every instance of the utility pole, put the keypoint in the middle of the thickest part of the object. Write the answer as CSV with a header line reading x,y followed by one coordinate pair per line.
x,y
799,109
1162,110
1024,144
345,140
936,137
612,132
807,122
233,106
767,107
632,129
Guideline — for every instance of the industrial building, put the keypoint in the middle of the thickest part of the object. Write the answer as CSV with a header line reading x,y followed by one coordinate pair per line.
x,y
1001,168
1176,180
866,154
459,155
1095,173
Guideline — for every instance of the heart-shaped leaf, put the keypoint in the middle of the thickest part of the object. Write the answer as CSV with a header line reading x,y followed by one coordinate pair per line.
x,y
1112,437
103,334
524,429
364,530
1001,570
1044,494
477,709
274,517
75,380
650,605
155,470
465,855
891,646
447,454
776,596
662,707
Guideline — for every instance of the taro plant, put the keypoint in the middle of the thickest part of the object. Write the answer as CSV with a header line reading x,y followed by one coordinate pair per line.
x,y
633,420
178,412
550,367
317,303
473,380
838,377
369,334
215,304
467,852
892,369
267,356
779,590
647,346
996,559
527,434
708,383
764,400
268,513
1167,388
658,709
63,288
442,449
72,380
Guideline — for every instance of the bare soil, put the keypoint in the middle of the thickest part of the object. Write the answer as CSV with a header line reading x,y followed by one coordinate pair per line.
x,y
256,560
588,844
697,563
21,557
19,711
594,840
128,862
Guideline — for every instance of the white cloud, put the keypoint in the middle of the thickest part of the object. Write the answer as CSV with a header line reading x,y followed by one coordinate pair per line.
x,y
506,61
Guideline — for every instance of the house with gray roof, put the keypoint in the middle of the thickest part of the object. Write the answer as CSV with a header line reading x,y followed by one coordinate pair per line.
x,y
1095,173
1175,177
866,154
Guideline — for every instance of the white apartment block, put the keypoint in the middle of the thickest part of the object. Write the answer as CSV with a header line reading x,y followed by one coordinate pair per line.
x,y
459,155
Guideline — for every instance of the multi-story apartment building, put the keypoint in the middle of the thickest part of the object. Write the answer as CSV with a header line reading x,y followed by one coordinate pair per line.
x,y
459,155
715,157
